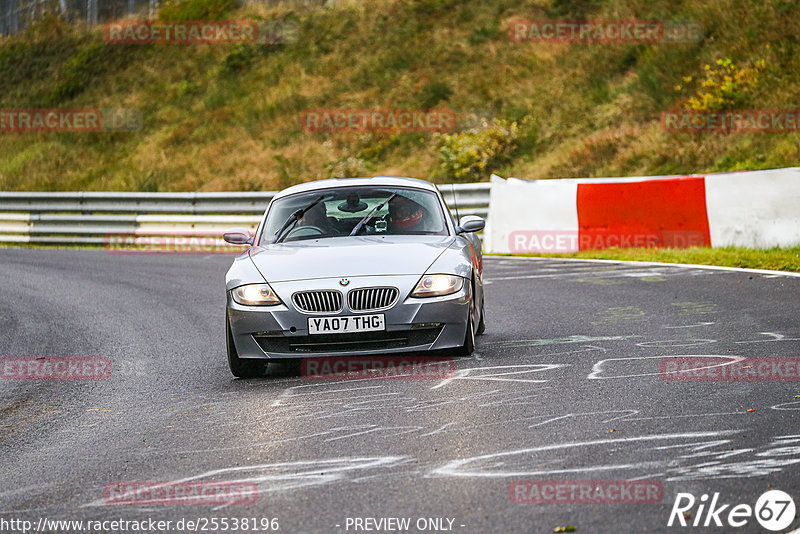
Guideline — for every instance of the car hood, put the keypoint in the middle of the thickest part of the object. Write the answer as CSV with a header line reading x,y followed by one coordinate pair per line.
x,y
348,257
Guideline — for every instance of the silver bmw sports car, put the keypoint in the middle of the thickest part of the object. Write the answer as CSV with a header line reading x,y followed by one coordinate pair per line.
x,y
351,267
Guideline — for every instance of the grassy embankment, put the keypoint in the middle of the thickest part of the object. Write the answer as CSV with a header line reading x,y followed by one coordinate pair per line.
x,y
227,117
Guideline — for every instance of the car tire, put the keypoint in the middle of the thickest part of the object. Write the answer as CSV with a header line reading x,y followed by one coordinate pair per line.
x,y
240,367
482,323
469,337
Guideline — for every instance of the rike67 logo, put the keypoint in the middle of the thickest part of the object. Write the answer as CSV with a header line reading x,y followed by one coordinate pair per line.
x,y
774,511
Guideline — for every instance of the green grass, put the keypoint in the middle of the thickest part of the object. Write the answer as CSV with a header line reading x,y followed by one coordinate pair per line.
x,y
776,259
227,117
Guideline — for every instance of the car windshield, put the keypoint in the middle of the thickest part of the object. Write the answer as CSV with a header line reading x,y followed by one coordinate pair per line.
x,y
400,211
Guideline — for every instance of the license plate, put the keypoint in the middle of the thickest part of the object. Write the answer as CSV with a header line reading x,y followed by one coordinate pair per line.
x,y
346,325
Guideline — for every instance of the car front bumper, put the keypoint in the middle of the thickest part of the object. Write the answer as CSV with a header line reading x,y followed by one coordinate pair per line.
x,y
412,324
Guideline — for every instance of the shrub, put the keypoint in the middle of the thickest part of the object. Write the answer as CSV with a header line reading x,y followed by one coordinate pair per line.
x,y
471,155
238,59
433,93
725,86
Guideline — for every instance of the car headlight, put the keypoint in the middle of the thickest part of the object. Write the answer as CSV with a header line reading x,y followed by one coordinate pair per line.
x,y
255,295
437,285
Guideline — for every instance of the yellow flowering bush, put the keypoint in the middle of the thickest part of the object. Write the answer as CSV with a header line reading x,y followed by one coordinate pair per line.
x,y
725,86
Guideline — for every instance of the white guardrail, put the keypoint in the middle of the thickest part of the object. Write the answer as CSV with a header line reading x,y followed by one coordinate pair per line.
x,y
112,218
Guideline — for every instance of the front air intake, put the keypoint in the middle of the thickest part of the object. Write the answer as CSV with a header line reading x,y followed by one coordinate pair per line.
x,y
372,298
318,301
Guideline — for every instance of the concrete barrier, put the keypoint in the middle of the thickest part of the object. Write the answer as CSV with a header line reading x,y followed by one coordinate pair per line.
x,y
758,209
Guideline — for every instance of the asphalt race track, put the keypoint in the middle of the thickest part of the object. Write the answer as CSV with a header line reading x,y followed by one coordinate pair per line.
x,y
564,386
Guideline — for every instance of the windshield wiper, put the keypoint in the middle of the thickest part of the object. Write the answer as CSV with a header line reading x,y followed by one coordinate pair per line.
x,y
293,218
377,208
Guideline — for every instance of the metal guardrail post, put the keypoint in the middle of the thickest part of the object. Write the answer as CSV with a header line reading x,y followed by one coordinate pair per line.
x,y
91,12
12,23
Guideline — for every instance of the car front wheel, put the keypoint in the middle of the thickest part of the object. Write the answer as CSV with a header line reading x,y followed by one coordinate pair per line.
x,y
469,337
241,367
482,322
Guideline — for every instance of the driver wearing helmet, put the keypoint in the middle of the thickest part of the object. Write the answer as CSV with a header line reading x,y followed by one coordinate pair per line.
x,y
405,216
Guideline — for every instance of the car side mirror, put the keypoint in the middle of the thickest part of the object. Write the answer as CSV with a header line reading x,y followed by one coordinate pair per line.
x,y
238,236
470,223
